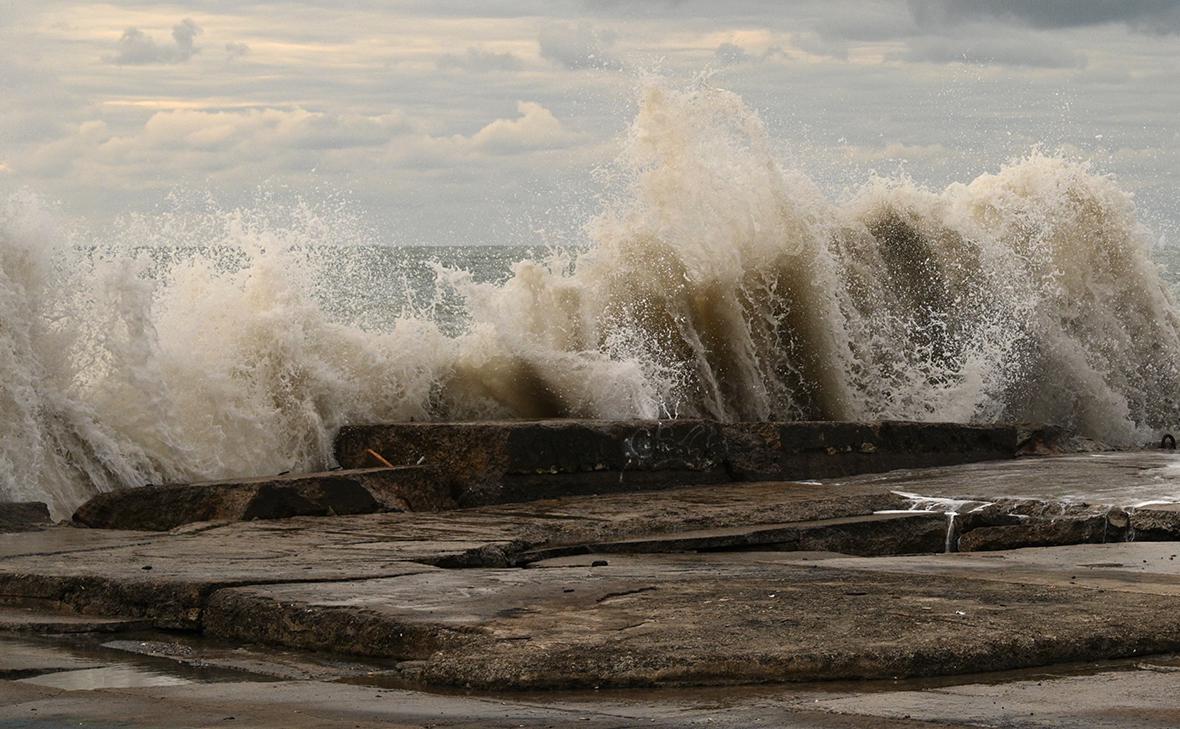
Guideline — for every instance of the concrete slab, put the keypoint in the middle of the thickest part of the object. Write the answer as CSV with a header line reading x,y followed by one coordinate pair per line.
x,y
892,533
695,619
323,705
25,620
64,540
1127,567
203,653
166,577
1112,478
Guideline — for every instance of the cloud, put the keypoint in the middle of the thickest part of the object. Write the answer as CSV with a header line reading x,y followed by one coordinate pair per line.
x,y
478,59
578,46
1006,51
1156,16
290,129
535,128
138,48
236,50
249,143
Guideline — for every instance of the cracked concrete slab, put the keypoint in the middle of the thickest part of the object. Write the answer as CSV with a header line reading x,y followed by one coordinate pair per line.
x,y
695,619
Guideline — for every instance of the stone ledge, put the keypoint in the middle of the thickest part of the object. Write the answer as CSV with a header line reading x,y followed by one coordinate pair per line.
x,y
498,462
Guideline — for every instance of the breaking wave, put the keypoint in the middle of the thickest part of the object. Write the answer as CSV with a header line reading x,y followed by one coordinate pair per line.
x,y
718,285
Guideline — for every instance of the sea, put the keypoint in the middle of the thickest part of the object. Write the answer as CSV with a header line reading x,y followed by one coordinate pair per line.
x,y
717,283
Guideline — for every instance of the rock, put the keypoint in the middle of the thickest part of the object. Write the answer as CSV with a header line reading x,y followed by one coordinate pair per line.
x,y
23,516
360,491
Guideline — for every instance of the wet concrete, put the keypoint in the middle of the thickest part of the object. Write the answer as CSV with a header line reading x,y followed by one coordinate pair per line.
x,y
1139,693
718,584
1109,478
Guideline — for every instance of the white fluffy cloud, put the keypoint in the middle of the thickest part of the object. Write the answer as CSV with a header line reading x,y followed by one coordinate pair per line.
x,y
249,141
535,128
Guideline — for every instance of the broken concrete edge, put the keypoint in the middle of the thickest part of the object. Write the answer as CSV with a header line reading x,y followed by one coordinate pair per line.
x,y
235,615
357,491
178,604
498,462
863,535
23,516
163,604
1026,523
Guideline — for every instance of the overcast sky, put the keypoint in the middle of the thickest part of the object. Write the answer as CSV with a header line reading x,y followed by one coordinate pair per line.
x,y
444,124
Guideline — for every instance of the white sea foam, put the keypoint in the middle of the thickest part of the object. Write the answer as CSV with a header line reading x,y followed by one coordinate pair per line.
x,y
719,285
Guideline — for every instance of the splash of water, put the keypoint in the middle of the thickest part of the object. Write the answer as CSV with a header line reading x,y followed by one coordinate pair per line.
x,y
718,285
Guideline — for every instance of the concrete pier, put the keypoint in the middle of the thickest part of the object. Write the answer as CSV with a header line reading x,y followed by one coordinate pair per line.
x,y
587,567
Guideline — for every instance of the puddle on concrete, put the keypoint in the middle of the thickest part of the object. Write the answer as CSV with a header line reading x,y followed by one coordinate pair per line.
x,y
107,677
99,667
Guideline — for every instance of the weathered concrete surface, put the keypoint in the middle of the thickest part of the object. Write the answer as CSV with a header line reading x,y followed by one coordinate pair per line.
x,y
522,460
875,534
1128,567
1067,499
372,585
1122,479
1157,522
165,578
1108,700
323,705
659,620
167,581
23,516
114,688
357,491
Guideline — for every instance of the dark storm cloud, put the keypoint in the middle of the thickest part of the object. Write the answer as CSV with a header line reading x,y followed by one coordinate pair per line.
x,y
137,48
1158,16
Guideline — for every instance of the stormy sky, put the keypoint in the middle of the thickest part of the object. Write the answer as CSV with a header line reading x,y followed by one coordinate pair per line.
x,y
462,122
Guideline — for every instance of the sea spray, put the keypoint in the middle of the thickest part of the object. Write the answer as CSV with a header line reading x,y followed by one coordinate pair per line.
x,y
715,284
